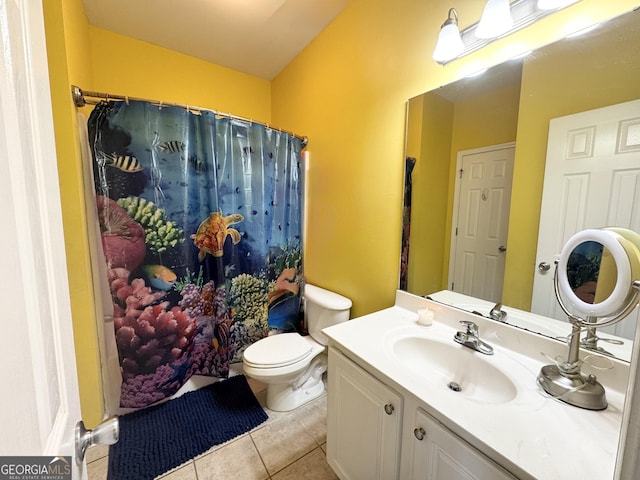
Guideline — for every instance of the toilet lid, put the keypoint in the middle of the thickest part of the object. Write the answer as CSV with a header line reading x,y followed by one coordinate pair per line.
x,y
277,350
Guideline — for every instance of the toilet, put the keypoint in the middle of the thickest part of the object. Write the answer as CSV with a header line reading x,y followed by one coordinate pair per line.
x,y
292,365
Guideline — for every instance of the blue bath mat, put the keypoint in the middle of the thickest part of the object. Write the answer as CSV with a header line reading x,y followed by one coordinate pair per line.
x,y
156,439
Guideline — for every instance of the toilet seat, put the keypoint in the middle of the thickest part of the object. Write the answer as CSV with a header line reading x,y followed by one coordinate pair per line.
x,y
277,351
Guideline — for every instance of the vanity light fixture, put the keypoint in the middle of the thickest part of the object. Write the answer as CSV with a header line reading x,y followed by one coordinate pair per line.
x,y
522,55
496,19
554,4
476,73
582,31
449,44
499,18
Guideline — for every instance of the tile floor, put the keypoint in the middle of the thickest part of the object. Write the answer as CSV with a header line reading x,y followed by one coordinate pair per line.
x,y
289,445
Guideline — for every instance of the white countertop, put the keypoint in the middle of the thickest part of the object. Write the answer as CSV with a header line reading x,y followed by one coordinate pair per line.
x,y
533,436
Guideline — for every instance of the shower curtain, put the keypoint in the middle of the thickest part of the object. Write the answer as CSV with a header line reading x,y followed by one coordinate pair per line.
x,y
409,164
201,221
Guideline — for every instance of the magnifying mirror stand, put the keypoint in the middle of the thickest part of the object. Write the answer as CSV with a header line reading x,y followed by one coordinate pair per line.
x,y
564,380
590,341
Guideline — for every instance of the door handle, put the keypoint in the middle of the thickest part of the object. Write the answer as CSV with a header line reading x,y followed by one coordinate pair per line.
x,y
544,266
502,248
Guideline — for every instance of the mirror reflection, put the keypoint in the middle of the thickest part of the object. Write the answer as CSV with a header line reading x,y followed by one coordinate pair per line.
x,y
583,268
501,169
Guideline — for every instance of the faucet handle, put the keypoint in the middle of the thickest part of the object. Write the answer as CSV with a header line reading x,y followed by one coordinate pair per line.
x,y
497,313
472,328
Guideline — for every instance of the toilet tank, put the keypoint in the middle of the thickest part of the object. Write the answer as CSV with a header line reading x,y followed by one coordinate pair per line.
x,y
323,309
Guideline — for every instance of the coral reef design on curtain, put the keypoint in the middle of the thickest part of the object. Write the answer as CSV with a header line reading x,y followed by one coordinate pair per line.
x,y
201,223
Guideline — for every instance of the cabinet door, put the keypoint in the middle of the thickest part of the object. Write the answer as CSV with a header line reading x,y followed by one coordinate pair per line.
x,y
438,454
363,423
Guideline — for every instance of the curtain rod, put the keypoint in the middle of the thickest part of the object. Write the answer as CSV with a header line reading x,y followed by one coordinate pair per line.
x,y
82,98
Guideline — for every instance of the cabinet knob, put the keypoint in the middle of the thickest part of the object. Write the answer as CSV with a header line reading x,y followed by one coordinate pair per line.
x,y
419,433
389,408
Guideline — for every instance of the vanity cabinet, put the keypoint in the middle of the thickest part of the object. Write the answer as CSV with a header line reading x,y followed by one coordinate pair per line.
x,y
366,429
439,454
364,421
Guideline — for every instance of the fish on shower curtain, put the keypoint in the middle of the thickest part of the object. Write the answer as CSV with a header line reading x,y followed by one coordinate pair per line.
x,y
201,222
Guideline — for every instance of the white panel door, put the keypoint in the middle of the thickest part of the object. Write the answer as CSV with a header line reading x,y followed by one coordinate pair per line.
x,y
479,237
39,405
591,180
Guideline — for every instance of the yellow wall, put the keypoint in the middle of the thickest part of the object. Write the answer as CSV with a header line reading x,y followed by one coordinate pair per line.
x,y
67,47
346,91
429,199
415,113
487,119
125,66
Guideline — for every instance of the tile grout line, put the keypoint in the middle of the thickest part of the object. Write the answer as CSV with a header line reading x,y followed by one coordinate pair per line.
x,y
293,418
260,456
195,469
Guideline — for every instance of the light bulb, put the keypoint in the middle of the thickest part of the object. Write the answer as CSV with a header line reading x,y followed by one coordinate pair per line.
x,y
496,19
554,4
449,44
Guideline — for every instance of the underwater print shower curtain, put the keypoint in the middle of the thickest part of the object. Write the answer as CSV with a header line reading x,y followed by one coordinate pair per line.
x,y
201,222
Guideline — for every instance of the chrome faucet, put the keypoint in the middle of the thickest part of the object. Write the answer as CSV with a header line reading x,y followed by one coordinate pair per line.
x,y
471,338
497,313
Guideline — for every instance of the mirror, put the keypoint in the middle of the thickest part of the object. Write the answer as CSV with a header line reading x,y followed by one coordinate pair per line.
x,y
503,118
596,272
583,268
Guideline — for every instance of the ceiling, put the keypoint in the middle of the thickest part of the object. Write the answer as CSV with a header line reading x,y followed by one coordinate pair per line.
x,y
258,37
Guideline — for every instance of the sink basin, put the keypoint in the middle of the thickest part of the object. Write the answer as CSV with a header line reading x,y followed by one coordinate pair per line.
x,y
445,363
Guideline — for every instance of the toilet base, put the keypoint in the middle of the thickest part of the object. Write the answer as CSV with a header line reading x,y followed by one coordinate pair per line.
x,y
283,398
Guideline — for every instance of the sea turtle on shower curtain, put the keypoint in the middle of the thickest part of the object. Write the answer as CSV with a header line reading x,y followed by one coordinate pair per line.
x,y
213,232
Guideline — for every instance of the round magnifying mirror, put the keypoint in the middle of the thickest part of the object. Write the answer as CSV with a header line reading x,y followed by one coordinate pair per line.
x,y
596,270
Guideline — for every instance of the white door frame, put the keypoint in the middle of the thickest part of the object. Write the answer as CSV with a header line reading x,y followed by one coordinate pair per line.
x,y
40,403
456,199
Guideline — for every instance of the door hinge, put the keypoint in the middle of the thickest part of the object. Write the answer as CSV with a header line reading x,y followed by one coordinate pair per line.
x,y
461,170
